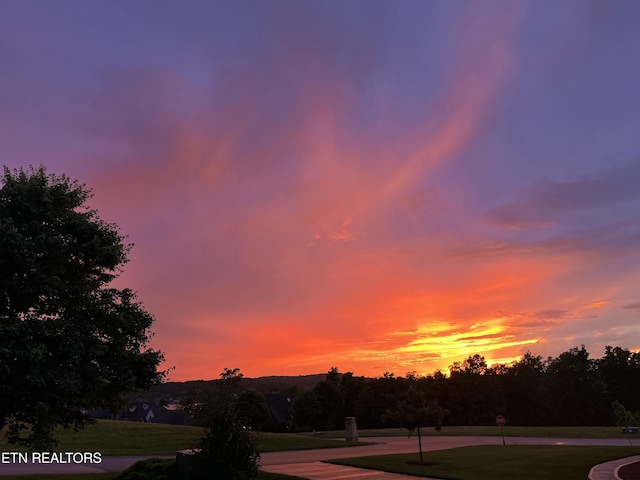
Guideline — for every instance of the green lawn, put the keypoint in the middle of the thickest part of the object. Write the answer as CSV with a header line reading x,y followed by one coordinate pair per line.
x,y
497,462
513,431
112,437
277,442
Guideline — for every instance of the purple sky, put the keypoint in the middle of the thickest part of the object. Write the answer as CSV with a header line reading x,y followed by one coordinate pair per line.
x,y
377,186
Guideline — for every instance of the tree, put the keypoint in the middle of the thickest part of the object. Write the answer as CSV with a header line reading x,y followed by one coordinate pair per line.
x,y
625,418
331,399
350,387
252,407
415,412
68,340
307,411
227,450
576,396
523,384
377,396
474,393
619,370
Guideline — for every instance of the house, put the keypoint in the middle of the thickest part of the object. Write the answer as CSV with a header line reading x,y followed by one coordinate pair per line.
x,y
281,409
146,412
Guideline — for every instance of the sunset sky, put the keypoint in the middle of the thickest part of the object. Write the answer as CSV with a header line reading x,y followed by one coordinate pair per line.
x,y
375,186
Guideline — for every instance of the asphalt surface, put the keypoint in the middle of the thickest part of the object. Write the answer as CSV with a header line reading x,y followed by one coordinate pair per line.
x,y
308,463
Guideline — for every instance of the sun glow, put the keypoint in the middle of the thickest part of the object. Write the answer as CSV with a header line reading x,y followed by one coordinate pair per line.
x,y
477,339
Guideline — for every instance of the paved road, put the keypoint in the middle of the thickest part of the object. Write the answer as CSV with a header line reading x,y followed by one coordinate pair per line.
x,y
294,462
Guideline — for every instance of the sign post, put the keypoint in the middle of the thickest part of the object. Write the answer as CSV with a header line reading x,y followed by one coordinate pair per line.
x,y
501,421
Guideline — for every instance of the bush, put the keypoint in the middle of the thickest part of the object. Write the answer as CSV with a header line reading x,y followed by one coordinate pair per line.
x,y
228,450
151,469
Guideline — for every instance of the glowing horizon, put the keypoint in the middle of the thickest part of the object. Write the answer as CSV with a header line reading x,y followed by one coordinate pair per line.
x,y
374,187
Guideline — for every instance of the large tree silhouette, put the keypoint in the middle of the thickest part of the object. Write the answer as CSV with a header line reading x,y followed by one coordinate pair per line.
x,y
68,340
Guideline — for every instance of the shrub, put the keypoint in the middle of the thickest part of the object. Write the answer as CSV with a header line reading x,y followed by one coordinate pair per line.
x,y
151,469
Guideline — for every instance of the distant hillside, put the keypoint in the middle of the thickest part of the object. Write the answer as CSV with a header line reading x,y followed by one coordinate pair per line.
x,y
277,384
172,392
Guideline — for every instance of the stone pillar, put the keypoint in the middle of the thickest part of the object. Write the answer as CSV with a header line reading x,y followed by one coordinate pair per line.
x,y
351,429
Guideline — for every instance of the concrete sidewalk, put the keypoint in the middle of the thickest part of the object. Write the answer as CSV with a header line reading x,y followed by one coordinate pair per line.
x,y
609,470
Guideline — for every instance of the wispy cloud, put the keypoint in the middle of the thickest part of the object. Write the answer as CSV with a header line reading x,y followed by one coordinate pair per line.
x,y
549,200
635,306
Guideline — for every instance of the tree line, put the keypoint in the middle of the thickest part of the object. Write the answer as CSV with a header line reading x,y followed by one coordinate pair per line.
x,y
568,390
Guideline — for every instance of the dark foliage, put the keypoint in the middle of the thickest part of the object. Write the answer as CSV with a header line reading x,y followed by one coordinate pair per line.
x,y
571,389
326,405
228,449
67,339
252,409
151,469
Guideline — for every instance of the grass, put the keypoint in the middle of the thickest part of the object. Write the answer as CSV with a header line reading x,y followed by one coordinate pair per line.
x,y
277,442
112,437
510,431
497,462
